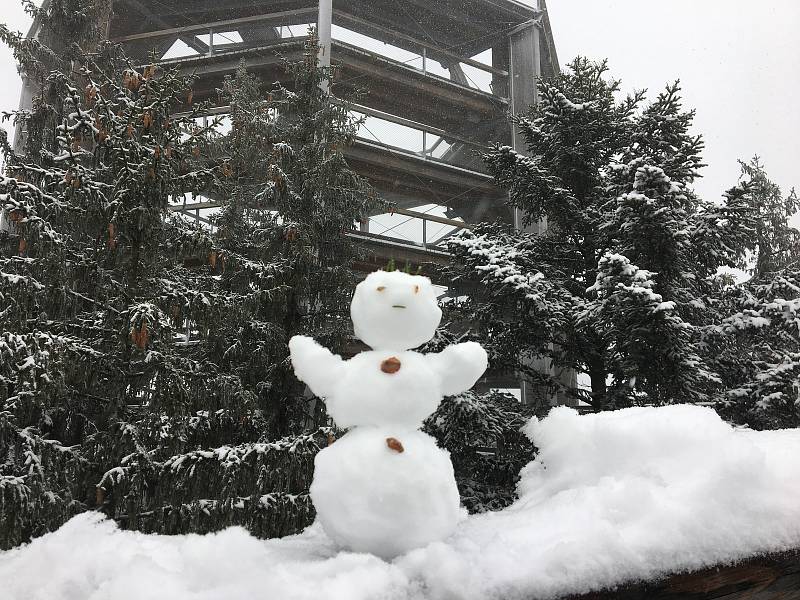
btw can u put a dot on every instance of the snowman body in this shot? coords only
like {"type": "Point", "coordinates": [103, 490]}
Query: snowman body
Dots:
{"type": "Point", "coordinates": [366, 395]}
{"type": "Point", "coordinates": [370, 498]}
{"type": "Point", "coordinates": [385, 487]}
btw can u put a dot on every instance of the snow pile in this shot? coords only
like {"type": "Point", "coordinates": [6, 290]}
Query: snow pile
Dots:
{"type": "Point", "coordinates": [611, 498]}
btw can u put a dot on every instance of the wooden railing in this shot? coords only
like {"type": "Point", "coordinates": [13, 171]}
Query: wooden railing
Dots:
{"type": "Point", "coordinates": [192, 210]}
{"type": "Point", "coordinates": [424, 50]}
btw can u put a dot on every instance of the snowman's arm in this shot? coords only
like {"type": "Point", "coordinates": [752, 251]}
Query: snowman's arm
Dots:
{"type": "Point", "coordinates": [459, 366]}
{"type": "Point", "coordinates": [315, 365]}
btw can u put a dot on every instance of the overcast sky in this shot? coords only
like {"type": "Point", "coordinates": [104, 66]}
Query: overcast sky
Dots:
{"type": "Point", "coordinates": [738, 62]}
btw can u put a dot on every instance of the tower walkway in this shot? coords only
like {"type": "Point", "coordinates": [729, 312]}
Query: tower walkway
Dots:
{"type": "Point", "coordinates": [435, 81]}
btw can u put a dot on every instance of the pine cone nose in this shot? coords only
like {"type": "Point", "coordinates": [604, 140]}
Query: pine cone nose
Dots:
{"type": "Point", "coordinates": [390, 365]}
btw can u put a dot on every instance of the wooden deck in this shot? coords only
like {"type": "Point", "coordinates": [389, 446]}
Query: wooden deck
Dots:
{"type": "Point", "coordinates": [772, 577]}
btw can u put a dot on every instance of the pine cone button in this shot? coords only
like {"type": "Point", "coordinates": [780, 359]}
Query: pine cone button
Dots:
{"type": "Point", "coordinates": [390, 365]}
{"type": "Point", "coordinates": [395, 445]}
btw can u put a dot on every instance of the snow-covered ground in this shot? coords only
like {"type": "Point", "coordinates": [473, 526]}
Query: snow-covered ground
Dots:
{"type": "Point", "coordinates": [611, 498]}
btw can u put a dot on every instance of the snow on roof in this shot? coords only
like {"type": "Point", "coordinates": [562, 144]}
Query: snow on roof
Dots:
{"type": "Point", "coordinates": [611, 498]}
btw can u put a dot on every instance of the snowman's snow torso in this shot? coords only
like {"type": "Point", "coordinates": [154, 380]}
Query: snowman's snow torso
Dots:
{"type": "Point", "coordinates": [371, 498]}
{"type": "Point", "coordinates": [367, 395]}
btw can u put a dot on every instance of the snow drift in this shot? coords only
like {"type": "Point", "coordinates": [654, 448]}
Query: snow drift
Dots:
{"type": "Point", "coordinates": [611, 498]}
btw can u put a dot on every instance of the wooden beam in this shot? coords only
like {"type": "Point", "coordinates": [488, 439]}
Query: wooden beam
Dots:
{"type": "Point", "coordinates": [390, 86]}
{"type": "Point", "coordinates": [435, 50]}
{"type": "Point", "coordinates": [495, 17]}
{"type": "Point", "coordinates": [456, 29]}
{"type": "Point", "coordinates": [551, 45]}
{"type": "Point", "coordinates": [258, 33]}
{"type": "Point", "coordinates": [426, 11]}
{"type": "Point", "coordinates": [194, 217]}
{"type": "Point", "coordinates": [156, 20]}
{"type": "Point", "coordinates": [195, 206]}
{"type": "Point", "coordinates": [185, 208]}
{"type": "Point", "coordinates": [433, 218]}
{"type": "Point", "coordinates": [274, 18]}
{"type": "Point", "coordinates": [148, 15]}
{"type": "Point", "coordinates": [193, 43]}
{"type": "Point", "coordinates": [228, 62]}
{"type": "Point", "coordinates": [374, 64]}
{"type": "Point", "coordinates": [775, 576]}
{"type": "Point", "coordinates": [379, 114]}
{"type": "Point", "coordinates": [512, 7]}
{"type": "Point", "coordinates": [279, 17]}
{"type": "Point", "coordinates": [430, 165]}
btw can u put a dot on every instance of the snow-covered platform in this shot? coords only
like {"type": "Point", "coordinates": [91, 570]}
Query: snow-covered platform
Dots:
{"type": "Point", "coordinates": [624, 501]}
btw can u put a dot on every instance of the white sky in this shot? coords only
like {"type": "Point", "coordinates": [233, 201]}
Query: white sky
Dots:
{"type": "Point", "coordinates": [738, 62]}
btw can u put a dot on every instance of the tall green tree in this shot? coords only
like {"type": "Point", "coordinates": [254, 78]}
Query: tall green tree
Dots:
{"type": "Point", "coordinates": [775, 243]}
{"type": "Point", "coordinates": [289, 198]}
{"type": "Point", "coordinates": [754, 343]}
{"type": "Point", "coordinates": [143, 360]}
{"type": "Point", "coordinates": [614, 287]}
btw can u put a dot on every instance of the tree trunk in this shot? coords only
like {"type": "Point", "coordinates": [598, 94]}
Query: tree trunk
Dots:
{"type": "Point", "coordinates": [597, 374]}
{"type": "Point", "coordinates": [598, 390]}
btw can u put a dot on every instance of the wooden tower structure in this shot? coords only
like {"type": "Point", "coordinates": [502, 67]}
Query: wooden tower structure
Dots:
{"type": "Point", "coordinates": [444, 72]}
{"type": "Point", "coordinates": [430, 91]}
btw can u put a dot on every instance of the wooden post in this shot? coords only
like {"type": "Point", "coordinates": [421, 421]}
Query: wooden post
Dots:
{"type": "Point", "coordinates": [324, 23]}
{"type": "Point", "coordinates": [525, 68]}
{"type": "Point", "coordinates": [500, 61]}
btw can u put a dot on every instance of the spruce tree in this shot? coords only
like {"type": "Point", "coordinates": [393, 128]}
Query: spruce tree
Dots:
{"type": "Point", "coordinates": [754, 343]}
{"type": "Point", "coordinates": [775, 243]}
{"type": "Point", "coordinates": [87, 338]}
{"type": "Point", "coordinates": [143, 360]}
{"type": "Point", "coordinates": [289, 198]}
{"type": "Point", "coordinates": [481, 431]}
{"type": "Point", "coordinates": [613, 288]}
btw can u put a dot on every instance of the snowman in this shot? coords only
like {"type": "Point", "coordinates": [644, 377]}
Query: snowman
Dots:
{"type": "Point", "coordinates": [385, 487]}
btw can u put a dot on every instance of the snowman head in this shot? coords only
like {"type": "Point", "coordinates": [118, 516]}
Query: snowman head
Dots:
{"type": "Point", "coordinates": [395, 310]}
